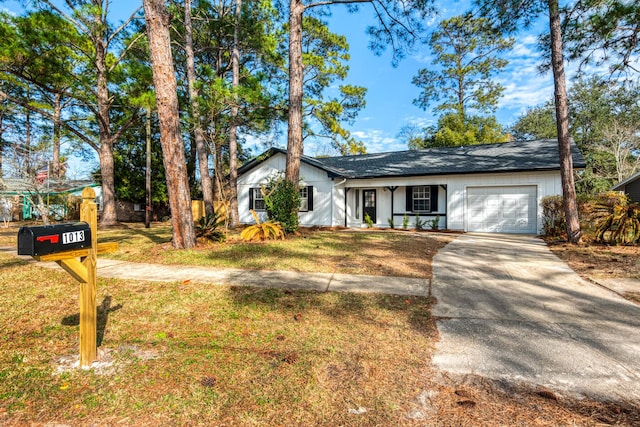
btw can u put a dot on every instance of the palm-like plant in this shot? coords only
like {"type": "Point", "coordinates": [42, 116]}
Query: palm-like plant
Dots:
{"type": "Point", "coordinates": [620, 225]}
{"type": "Point", "coordinates": [261, 231]}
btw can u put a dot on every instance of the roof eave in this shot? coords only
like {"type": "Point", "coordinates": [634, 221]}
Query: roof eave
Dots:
{"type": "Point", "coordinates": [331, 172]}
{"type": "Point", "coordinates": [411, 175]}
{"type": "Point", "coordinates": [620, 186]}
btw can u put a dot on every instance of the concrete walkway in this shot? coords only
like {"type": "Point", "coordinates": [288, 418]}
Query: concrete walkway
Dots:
{"type": "Point", "coordinates": [511, 310]}
{"type": "Point", "coordinates": [321, 282]}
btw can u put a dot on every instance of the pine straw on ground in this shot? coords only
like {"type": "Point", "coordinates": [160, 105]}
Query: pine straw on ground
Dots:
{"type": "Point", "coordinates": [599, 260]}
{"type": "Point", "coordinates": [183, 354]}
{"type": "Point", "coordinates": [187, 354]}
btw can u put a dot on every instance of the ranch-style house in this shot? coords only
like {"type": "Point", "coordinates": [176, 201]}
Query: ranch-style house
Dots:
{"type": "Point", "coordinates": [482, 188]}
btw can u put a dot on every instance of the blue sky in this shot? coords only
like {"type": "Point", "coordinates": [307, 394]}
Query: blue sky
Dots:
{"type": "Point", "coordinates": [390, 91]}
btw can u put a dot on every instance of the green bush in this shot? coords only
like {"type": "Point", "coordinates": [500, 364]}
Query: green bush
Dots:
{"type": "Point", "coordinates": [435, 223]}
{"type": "Point", "coordinates": [368, 221]}
{"type": "Point", "coordinates": [405, 221]}
{"type": "Point", "coordinates": [391, 223]}
{"type": "Point", "coordinates": [207, 227]}
{"type": "Point", "coordinates": [419, 223]}
{"type": "Point", "coordinates": [282, 202]}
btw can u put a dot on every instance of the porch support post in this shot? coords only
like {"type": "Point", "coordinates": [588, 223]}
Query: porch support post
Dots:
{"type": "Point", "coordinates": [346, 190]}
{"type": "Point", "coordinates": [446, 205]}
{"type": "Point", "coordinates": [392, 189]}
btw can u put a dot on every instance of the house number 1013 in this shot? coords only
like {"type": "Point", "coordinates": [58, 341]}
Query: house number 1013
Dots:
{"type": "Point", "coordinates": [72, 237]}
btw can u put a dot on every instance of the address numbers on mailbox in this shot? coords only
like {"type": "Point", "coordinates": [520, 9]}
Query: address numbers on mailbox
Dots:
{"type": "Point", "coordinates": [49, 239]}
{"type": "Point", "coordinates": [72, 237]}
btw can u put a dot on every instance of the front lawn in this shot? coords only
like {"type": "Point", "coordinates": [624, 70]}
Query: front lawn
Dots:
{"type": "Point", "coordinates": [381, 253]}
{"type": "Point", "coordinates": [189, 354]}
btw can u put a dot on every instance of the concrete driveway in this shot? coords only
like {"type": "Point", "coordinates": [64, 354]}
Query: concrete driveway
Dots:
{"type": "Point", "coordinates": [511, 310]}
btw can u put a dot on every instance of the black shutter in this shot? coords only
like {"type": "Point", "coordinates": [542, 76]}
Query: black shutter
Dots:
{"type": "Point", "coordinates": [409, 205]}
{"type": "Point", "coordinates": [251, 198]}
{"type": "Point", "coordinates": [434, 198]}
{"type": "Point", "coordinates": [310, 197]}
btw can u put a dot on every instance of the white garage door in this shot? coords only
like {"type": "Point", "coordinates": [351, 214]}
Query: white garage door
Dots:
{"type": "Point", "coordinates": [502, 209]}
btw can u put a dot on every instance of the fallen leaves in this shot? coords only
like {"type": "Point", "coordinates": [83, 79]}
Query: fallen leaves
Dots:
{"type": "Point", "coordinates": [208, 381]}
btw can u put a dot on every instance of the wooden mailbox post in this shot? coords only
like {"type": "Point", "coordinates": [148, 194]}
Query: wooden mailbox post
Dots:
{"type": "Point", "coordinates": [82, 265]}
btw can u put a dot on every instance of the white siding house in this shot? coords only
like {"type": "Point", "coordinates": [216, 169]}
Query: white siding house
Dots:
{"type": "Point", "coordinates": [487, 188]}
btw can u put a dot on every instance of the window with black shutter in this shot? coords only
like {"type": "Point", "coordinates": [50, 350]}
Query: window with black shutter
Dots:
{"type": "Point", "coordinates": [422, 198]}
{"type": "Point", "coordinates": [306, 198]}
{"type": "Point", "coordinates": [256, 199]}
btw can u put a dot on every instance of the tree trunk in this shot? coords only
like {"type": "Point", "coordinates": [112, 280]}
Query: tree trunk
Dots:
{"type": "Point", "coordinates": [109, 216]}
{"type": "Point", "coordinates": [562, 121]}
{"type": "Point", "coordinates": [234, 218]}
{"type": "Point", "coordinates": [198, 133]}
{"type": "Point", "coordinates": [294, 137]}
{"type": "Point", "coordinates": [57, 118]}
{"type": "Point", "coordinates": [217, 170]}
{"type": "Point", "coordinates": [164, 80]}
{"type": "Point", "coordinates": [27, 143]}
{"type": "Point", "coordinates": [147, 170]}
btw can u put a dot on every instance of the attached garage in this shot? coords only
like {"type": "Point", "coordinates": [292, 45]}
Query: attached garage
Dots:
{"type": "Point", "coordinates": [505, 209]}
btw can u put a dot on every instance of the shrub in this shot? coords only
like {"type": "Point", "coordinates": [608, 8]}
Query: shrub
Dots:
{"type": "Point", "coordinates": [391, 223]}
{"type": "Point", "coordinates": [405, 221]}
{"type": "Point", "coordinates": [207, 227]}
{"type": "Point", "coordinates": [553, 222]}
{"type": "Point", "coordinates": [261, 231]}
{"type": "Point", "coordinates": [282, 202]}
{"type": "Point", "coordinates": [435, 223]}
{"type": "Point", "coordinates": [419, 223]}
{"type": "Point", "coordinates": [368, 221]}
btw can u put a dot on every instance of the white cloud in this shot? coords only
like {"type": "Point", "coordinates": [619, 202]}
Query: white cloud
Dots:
{"type": "Point", "coordinates": [421, 121]}
{"type": "Point", "coordinates": [8, 12]}
{"type": "Point", "coordinates": [525, 47]}
{"type": "Point", "coordinates": [378, 141]}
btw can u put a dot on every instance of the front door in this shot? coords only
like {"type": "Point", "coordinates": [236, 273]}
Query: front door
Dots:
{"type": "Point", "coordinates": [369, 204]}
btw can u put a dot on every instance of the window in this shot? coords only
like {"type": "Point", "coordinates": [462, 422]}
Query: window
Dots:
{"type": "Point", "coordinates": [256, 200]}
{"type": "Point", "coordinates": [306, 198]}
{"type": "Point", "coordinates": [422, 198]}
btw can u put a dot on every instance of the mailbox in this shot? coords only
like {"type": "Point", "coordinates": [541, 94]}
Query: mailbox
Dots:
{"type": "Point", "coordinates": [50, 239]}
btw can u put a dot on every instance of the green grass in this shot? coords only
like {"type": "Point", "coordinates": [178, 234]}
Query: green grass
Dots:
{"type": "Point", "coordinates": [271, 356]}
{"type": "Point", "coordinates": [191, 354]}
{"type": "Point", "coordinates": [377, 253]}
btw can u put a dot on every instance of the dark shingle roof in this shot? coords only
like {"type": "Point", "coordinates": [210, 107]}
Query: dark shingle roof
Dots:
{"type": "Point", "coordinates": [316, 162]}
{"type": "Point", "coordinates": [517, 156]}
{"type": "Point", "coordinates": [622, 184]}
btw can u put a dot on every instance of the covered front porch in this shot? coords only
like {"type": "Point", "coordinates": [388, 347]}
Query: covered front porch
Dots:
{"type": "Point", "coordinates": [421, 206]}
